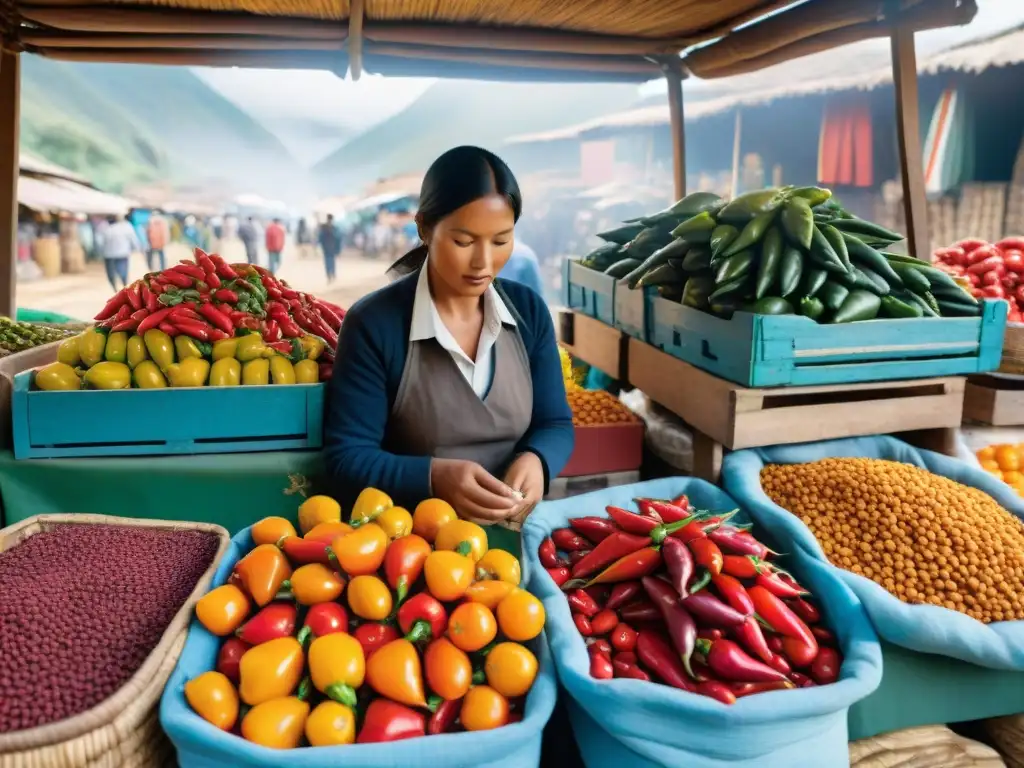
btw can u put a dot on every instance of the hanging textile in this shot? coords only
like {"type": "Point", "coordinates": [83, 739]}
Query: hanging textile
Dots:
{"type": "Point", "coordinates": [949, 146]}
{"type": "Point", "coordinates": [845, 146]}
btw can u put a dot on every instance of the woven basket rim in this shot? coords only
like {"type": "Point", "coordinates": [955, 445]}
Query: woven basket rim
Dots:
{"type": "Point", "coordinates": [128, 694]}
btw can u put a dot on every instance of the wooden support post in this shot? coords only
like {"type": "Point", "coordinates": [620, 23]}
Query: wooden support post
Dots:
{"type": "Point", "coordinates": [908, 133]}
{"type": "Point", "coordinates": [674, 76]}
{"type": "Point", "coordinates": [355, 39]}
{"type": "Point", "coordinates": [737, 138]}
{"type": "Point", "coordinates": [10, 98]}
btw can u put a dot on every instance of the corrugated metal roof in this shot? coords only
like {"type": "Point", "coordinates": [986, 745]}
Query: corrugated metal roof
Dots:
{"type": "Point", "coordinates": [29, 163]}
{"type": "Point", "coordinates": [57, 195]}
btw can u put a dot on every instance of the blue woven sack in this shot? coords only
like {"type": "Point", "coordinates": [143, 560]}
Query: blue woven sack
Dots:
{"type": "Point", "coordinates": [201, 745]}
{"type": "Point", "coordinates": [923, 628]}
{"type": "Point", "coordinates": [642, 725]}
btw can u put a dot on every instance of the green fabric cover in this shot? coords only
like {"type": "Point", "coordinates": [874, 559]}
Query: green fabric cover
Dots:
{"type": "Point", "coordinates": [923, 689]}
{"type": "Point", "coordinates": [25, 315]}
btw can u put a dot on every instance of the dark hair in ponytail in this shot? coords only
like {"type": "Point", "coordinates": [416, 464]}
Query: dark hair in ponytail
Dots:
{"type": "Point", "coordinates": [457, 178]}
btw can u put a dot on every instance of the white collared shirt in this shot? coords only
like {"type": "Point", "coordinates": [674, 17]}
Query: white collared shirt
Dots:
{"type": "Point", "coordinates": [427, 324]}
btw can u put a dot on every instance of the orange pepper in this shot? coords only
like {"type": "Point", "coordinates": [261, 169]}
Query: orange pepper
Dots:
{"type": "Point", "coordinates": [214, 699]}
{"type": "Point", "coordinates": [430, 516]}
{"type": "Point", "coordinates": [369, 598]}
{"type": "Point", "coordinates": [501, 565]}
{"type": "Point", "coordinates": [1007, 457]}
{"type": "Point", "coordinates": [337, 666]}
{"type": "Point", "coordinates": [454, 533]}
{"type": "Point", "coordinates": [483, 708]}
{"type": "Point", "coordinates": [262, 572]}
{"type": "Point", "coordinates": [403, 563]}
{"type": "Point", "coordinates": [328, 532]}
{"type": "Point", "coordinates": [511, 669]}
{"type": "Point", "coordinates": [521, 616]}
{"type": "Point", "coordinates": [362, 551]}
{"type": "Point", "coordinates": [315, 583]}
{"type": "Point", "coordinates": [489, 592]}
{"type": "Point", "coordinates": [276, 723]}
{"type": "Point", "coordinates": [223, 610]}
{"type": "Point", "coordinates": [369, 504]}
{"type": "Point", "coordinates": [396, 522]}
{"type": "Point", "coordinates": [331, 724]}
{"type": "Point", "coordinates": [394, 671]}
{"type": "Point", "coordinates": [472, 626]}
{"type": "Point", "coordinates": [448, 574]}
{"type": "Point", "coordinates": [271, 530]}
{"type": "Point", "coordinates": [270, 670]}
{"type": "Point", "coordinates": [448, 669]}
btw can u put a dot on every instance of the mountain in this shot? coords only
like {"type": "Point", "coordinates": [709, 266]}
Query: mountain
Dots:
{"type": "Point", "coordinates": [118, 123]}
{"type": "Point", "coordinates": [453, 112]}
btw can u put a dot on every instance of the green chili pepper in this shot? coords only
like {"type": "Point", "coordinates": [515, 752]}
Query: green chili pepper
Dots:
{"type": "Point", "coordinates": [832, 295]}
{"type": "Point", "coordinates": [790, 270]}
{"type": "Point", "coordinates": [696, 259]}
{"type": "Point", "coordinates": [811, 307]}
{"type": "Point", "coordinates": [622, 268]}
{"type": "Point", "coordinates": [772, 305]}
{"type": "Point", "coordinates": [860, 227]}
{"type": "Point", "coordinates": [869, 257]}
{"type": "Point", "coordinates": [813, 280]}
{"type": "Point", "coordinates": [737, 265]}
{"type": "Point", "coordinates": [771, 258]}
{"type": "Point", "coordinates": [658, 257]}
{"type": "Point", "coordinates": [722, 237]}
{"type": "Point", "coordinates": [835, 239]}
{"type": "Point", "coordinates": [798, 221]}
{"type": "Point", "coordinates": [813, 195]}
{"type": "Point", "coordinates": [893, 307]}
{"type": "Point", "coordinates": [859, 305]}
{"type": "Point", "coordinates": [663, 274]}
{"type": "Point", "coordinates": [728, 289]}
{"type": "Point", "coordinates": [929, 299]}
{"type": "Point", "coordinates": [618, 236]}
{"type": "Point", "coordinates": [691, 205]}
{"type": "Point", "coordinates": [823, 254]}
{"type": "Point", "coordinates": [696, 229]}
{"type": "Point", "coordinates": [697, 290]}
{"type": "Point", "coordinates": [751, 233]}
{"type": "Point", "coordinates": [745, 207]}
{"type": "Point", "coordinates": [958, 309]}
{"type": "Point", "coordinates": [911, 278]}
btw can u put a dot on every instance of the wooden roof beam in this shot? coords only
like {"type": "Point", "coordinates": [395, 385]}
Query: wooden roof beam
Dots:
{"type": "Point", "coordinates": [63, 40]}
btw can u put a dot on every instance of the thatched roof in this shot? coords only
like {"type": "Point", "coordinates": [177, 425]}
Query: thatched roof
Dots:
{"type": "Point", "coordinates": [487, 39]}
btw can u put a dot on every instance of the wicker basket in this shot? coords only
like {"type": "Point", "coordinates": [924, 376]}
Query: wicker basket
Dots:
{"type": "Point", "coordinates": [924, 747]}
{"type": "Point", "coordinates": [1007, 734]}
{"type": "Point", "coordinates": [122, 731]}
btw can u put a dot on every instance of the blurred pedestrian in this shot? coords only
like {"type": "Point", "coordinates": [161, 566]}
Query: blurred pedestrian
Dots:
{"type": "Point", "coordinates": [120, 241]}
{"type": "Point", "coordinates": [158, 233]}
{"type": "Point", "coordinates": [248, 235]}
{"type": "Point", "coordinates": [275, 244]}
{"type": "Point", "coordinates": [330, 244]}
{"type": "Point", "coordinates": [523, 267]}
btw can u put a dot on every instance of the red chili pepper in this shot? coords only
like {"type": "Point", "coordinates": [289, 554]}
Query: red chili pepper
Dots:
{"type": "Point", "coordinates": [682, 630]}
{"type": "Point", "coordinates": [204, 261]}
{"type": "Point", "coordinates": [805, 610]}
{"type": "Point", "coordinates": [734, 593]}
{"type": "Point", "coordinates": [738, 542]}
{"type": "Point", "coordinates": [750, 635]}
{"type": "Point", "coordinates": [547, 553]}
{"type": "Point", "coordinates": [153, 320]}
{"type": "Point", "coordinates": [640, 610]}
{"type": "Point", "coordinates": [670, 512]}
{"type": "Point", "coordinates": [710, 633]}
{"type": "Point", "coordinates": [741, 566]}
{"type": "Point", "coordinates": [779, 663]}
{"type": "Point", "coordinates": [120, 316]}
{"type": "Point", "coordinates": [730, 662]}
{"type": "Point", "coordinates": [229, 656]}
{"type": "Point", "coordinates": [132, 322]}
{"type": "Point", "coordinates": [117, 301]}
{"type": "Point", "coordinates": [709, 610]}
{"type": "Point", "coordinates": [304, 551]}
{"type": "Point", "coordinates": [575, 557]}
{"type": "Point", "coordinates": [225, 295]}
{"type": "Point", "coordinates": [225, 271]}
{"type": "Point", "coordinates": [802, 681]}
{"type": "Point", "coordinates": [169, 329]}
{"type": "Point", "coordinates": [629, 522]}
{"type": "Point", "coordinates": [682, 501]}
{"type": "Point", "coordinates": [284, 347]}
{"type": "Point", "coordinates": [623, 638]}
{"type": "Point", "coordinates": [191, 270]}
{"type": "Point", "coordinates": [272, 331]}
{"type": "Point", "coordinates": [622, 593]}
{"type": "Point", "coordinates": [326, 371]}
{"type": "Point", "coordinates": [679, 563]}
{"type": "Point", "coordinates": [327, 314]}
{"type": "Point", "coordinates": [778, 615]}
{"type": "Point", "coordinates": [133, 296]}
{"type": "Point", "coordinates": [633, 566]}
{"type": "Point", "coordinates": [216, 318]}
{"type": "Point", "coordinates": [822, 635]}
{"type": "Point", "coordinates": [324, 619]}
{"type": "Point", "coordinates": [800, 652]}
{"type": "Point", "coordinates": [825, 669]}
{"type": "Point", "coordinates": [715, 689]}
{"type": "Point", "coordinates": [614, 547]}
{"type": "Point", "coordinates": [661, 658]}
{"type": "Point", "coordinates": [775, 644]}
{"type": "Point", "coordinates": [372, 637]}
{"type": "Point", "coordinates": [568, 540]}
{"type": "Point", "coordinates": [599, 645]}
{"type": "Point", "coordinates": [629, 671]}
{"type": "Point", "coordinates": [604, 622]}
{"type": "Point", "coordinates": [747, 689]}
{"type": "Point", "coordinates": [644, 509]}
{"type": "Point", "coordinates": [289, 329]}
{"type": "Point", "coordinates": [177, 279]}
{"type": "Point", "coordinates": [445, 713]}
{"type": "Point", "coordinates": [582, 624]}
{"type": "Point", "coordinates": [156, 286]}
{"type": "Point", "coordinates": [423, 607]}
{"type": "Point", "coordinates": [595, 529]}
{"type": "Point", "coordinates": [581, 602]}
{"type": "Point", "coordinates": [184, 312]}
{"type": "Point", "coordinates": [387, 721]}
{"type": "Point", "coordinates": [559, 575]}
{"type": "Point", "coordinates": [771, 582]}
{"type": "Point", "coordinates": [601, 667]}
{"type": "Point", "coordinates": [192, 328]}
{"type": "Point", "coordinates": [272, 622]}
{"type": "Point", "coordinates": [146, 296]}
{"type": "Point", "coordinates": [218, 335]}
{"type": "Point", "coordinates": [707, 555]}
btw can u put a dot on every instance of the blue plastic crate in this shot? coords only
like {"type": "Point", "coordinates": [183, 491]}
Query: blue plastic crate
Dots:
{"type": "Point", "coordinates": [634, 312]}
{"type": "Point", "coordinates": [136, 422]}
{"type": "Point", "coordinates": [789, 350]}
{"type": "Point", "coordinates": [588, 291]}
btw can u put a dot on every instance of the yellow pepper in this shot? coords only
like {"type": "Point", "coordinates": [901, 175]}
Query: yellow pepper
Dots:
{"type": "Point", "coordinates": [222, 610]}
{"type": "Point", "coordinates": [312, 346]}
{"type": "Point", "coordinates": [501, 565]}
{"type": "Point", "coordinates": [108, 375]}
{"type": "Point", "coordinates": [271, 670]}
{"type": "Point", "coordinates": [337, 666]}
{"type": "Point", "coordinates": [160, 347]}
{"type": "Point", "coordinates": [214, 699]}
{"type": "Point", "coordinates": [307, 372]}
{"type": "Point", "coordinates": [148, 376]}
{"type": "Point", "coordinates": [226, 372]}
{"type": "Point", "coordinates": [256, 372]}
{"type": "Point", "coordinates": [116, 350]}
{"type": "Point", "coordinates": [57, 377]}
{"type": "Point", "coordinates": [136, 352]}
{"type": "Point", "coordinates": [67, 352]}
{"type": "Point", "coordinates": [224, 348]}
{"type": "Point", "coordinates": [190, 372]}
{"type": "Point", "coordinates": [281, 370]}
{"type": "Point", "coordinates": [315, 583]}
{"type": "Point", "coordinates": [262, 572]}
{"type": "Point", "coordinates": [331, 724]}
{"type": "Point", "coordinates": [278, 723]}
{"type": "Point", "coordinates": [250, 347]}
{"type": "Point", "coordinates": [369, 504]}
{"type": "Point", "coordinates": [91, 345]}
{"type": "Point", "coordinates": [186, 348]}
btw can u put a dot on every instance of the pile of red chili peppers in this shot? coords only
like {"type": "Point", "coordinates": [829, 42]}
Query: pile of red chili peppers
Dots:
{"type": "Point", "coordinates": [209, 300]}
{"type": "Point", "coordinates": [689, 599]}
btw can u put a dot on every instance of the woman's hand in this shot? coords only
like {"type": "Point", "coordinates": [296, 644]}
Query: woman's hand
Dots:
{"type": "Point", "coordinates": [526, 475]}
{"type": "Point", "coordinates": [472, 490]}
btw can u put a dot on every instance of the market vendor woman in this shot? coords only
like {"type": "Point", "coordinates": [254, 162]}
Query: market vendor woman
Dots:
{"type": "Point", "coordinates": [447, 382]}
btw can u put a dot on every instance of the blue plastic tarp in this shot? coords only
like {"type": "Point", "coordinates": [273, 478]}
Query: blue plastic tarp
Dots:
{"type": "Point", "coordinates": [201, 745]}
{"type": "Point", "coordinates": [640, 724]}
{"type": "Point", "coordinates": [923, 628]}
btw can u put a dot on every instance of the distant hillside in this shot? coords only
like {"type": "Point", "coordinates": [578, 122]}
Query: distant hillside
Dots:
{"type": "Point", "coordinates": [122, 123]}
{"type": "Point", "coordinates": [453, 112]}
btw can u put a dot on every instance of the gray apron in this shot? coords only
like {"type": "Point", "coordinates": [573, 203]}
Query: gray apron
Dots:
{"type": "Point", "coordinates": [437, 413]}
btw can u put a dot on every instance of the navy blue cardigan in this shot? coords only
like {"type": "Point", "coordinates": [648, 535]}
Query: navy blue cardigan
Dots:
{"type": "Point", "coordinates": [372, 348]}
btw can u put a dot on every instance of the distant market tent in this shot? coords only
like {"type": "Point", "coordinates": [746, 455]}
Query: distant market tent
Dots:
{"type": "Point", "coordinates": [47, 187]}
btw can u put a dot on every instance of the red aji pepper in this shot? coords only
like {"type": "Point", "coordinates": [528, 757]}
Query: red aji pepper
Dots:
{"type": "Point", "coordinates": [750, 635]}
{"type": "Point", "coordinates": [304, 551]}
{"type": "Point", "coordinates": [623, 638]}
{"type": "Point", "coordinates": [616, 546]}
{"type": "Point", "coordinates": [805, 610]}
{"type": "Point", "coordinates": [594, 529]}
{"type": "Point", "coordinates": [640, 610]}
{"type": "Point", "coordinates": [117, 301]}
{"type": "Point", "coordinates": [225, 295]}
{"type": "Point", "coordinates": [734, 593]}
{"type": "Point", "coordinates": [559, 575]}
{"type": "Point", "coordinates": [825, 669]}
{"type": "Point", "coordinates": [423, 607]}
{"type": "Point", "coordinates": [568, 540]}
{"type": "Point", "coordinates": [324, 619]}
{"type": "Point", "coordinates": [628, 670]}
{"type": "Point", "coordinates": [601, 667]}
{"type": "Point", "coordinates": [216, 318]}
{"type": "Point", "coordinates": [661, 658]}
{"type": "Point", "coordinates": [802, 681]}
{"type": "Point", "coordinates": [632, 566]}
{"type": "Point", "coordinates": [184, 311]}
{"type": "Point", "coordinates": [229, 656]}
{"type": "Point", "coordinates": [177, 279]}
{"type": "Point", "coordinates": [132, 322]}
{"type": "Point", "coordinates": [272, 331]}
{"type": "Point", "coordinates": [149, 299]}
{"type": "Point", "coordinates": [711, 611]}
{"type": "Point", "coordinates": [644, 509]}
{"type": "Point", "coordinates": [801, 652]}
{"type": "Point", "coordinates": [444, 714]}
{"type": "Point", "coordinates": [747, 689]}
{"type": "Point", "coordinates": [604, 622]}
{"type": "Point", "coordinates": [224, 270]}
{"type": "Point", "coordinates": [575, 557]}
{"type": "Point", "coordinates": [192, 328]}
{"type": "Point", "coordinates": [730, 662]}
{"type": "Point", "coordinates": [170, 330]}
{"type": "Point", "coordinates": [682, 501]}
{"type": "Point", "coordinates": [120, 316]}
{"type": "Point", "coordinates": [778, 616]}
{"type": "Point", "coordinates": [670, 512]}
{"type": "Point", "coordinates": [134, 296]}
{"type": "Point", "coordinates": [630, 522]}
{"type": "Point", "coordinates": [622, 593]}
{"type": "Point", "coordinates": [822, 635]}
{"type": "Point", "coordinates": [679, 563]}
{"type": "Point", "coordinates": [771, 582]}
{"type": "Point", "coordinates": [581, 602]}
{"type": "Point", "coordinates": [742, 566]}
{"type": "Point", "coordinates": [707, 555]}
{"type": "Point", "coordinates": [284, 347]}
{"type": "Point", "coordinates": [191, 270]}
{"type": "Point", "coordinates": [289, 329]}
{"type": "Point", "coordinates": [272, 622]}
{"type": "Point", "coordinates": [328, 314]}
{"type": "Point", "coordinates": [710, 633]}
{"type": "Point", "coordinates": [326, 370]}
{"type": "Point", "coordinates": [682, 630]}
{"type": "Point", "coordinates": [775, 643]}
{"type": "Point", "coordinates": [738, 542]}
{"type": "Point", "coordinates": [547, 553]}
{"type": "Point", "coordinates": [204, 261]}
{"type": "Point", "coordinates": [372, 636]}
{"type": "Point", "coordinates": [387, 721]}
{"type": "Point", "coordinates": [582, 624]}
{"type": "Point", "coordinates": [715, 689]}
{"type": "Point", "coordinates": [153, 320]}
{"type": "Point", "coordinates": [599, 645]}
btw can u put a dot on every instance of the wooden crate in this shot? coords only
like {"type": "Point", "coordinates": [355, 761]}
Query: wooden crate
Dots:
{"type": "Point", "coordinates": [588, 291]}
{"type": "Point", "coordinates": [994, 401]}
{"type": "Point", "coordinates": [593, 342]}
{"type": "Point", "coordinates": [634, 313]}
{"type": "Point", "coordinates": [725, 415]}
